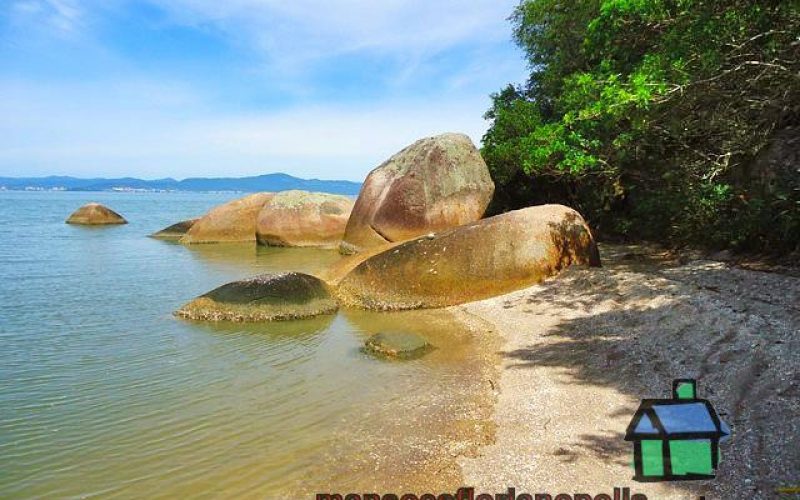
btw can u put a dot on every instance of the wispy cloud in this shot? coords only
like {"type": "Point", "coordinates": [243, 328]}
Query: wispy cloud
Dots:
{"type": "Point", "coordinates": [324, 28]}
{"type": "Point", "coordinates": [154, 130]}
{"type": "Point", "coordinates": [203, 87]}
{"type": "Point", "coordinates": [294, 36]}
{"type": "Point", "coordinates": [62, 17]}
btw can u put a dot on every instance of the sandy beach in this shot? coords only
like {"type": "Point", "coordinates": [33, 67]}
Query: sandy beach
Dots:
{"type": "Point", "coordinates": [582, 349]}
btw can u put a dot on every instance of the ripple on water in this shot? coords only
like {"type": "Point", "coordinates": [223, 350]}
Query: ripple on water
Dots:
{"type": "Point", "coordinates": [103, 392]}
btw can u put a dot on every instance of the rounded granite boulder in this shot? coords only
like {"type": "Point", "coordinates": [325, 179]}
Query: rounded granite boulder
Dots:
{"type": "Point", "coordinates": [432, 185]}
{"type": "Point", "coordinates": [473, 262]}
{"type": "Point", "coordinates": [267, 297]}
{"type": "Point", "coordinates": [303, 219]}
{"type": "Point", "coordinates": [175, 231]}
{"type": "Point", "coordinates": [401, 345]}
{"type": "Point", "coordinates": [232, 222]}
{"type": "Point", "coordinates": [95, 214]}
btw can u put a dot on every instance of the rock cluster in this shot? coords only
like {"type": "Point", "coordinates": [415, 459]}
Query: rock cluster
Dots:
{"type": "Point", "coordinates": [417, 235]}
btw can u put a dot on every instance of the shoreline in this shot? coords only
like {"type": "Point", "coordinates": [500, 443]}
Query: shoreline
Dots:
{"type": "Point", "coordinates": [580, 350]}
{"type": "Point", "coordinates": [412, 443]}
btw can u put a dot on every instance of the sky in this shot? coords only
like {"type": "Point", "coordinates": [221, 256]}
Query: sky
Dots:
{"type": "Point", "coordinates": [322, 89]}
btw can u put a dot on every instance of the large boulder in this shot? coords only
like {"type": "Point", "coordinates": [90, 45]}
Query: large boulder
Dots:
{"type": "Point", "coordinates": [268, 297]}
{"type": "Point", "coordinates": [175, 231]}
{"type": "Point", "coordinates": [95, 214]}
{"type": "Point", "coordinates": [333, 273]}
{"type": "Point", "coordinates": [483, 259]}
{"type": "Point", "coordinates": [234, 221]}
{"type": "Point", "coordinates": [303, 219]}
{"type": "Point", "coordinates": [434, 184]}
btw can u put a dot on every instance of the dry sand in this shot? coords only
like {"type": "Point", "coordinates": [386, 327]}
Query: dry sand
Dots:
{"type": "Point", "coordinates": [581, 350]}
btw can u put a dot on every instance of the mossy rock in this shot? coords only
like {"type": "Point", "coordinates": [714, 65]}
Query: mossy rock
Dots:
{"type": "Point", "coordinates": [175, 231]}
{"type": "Point", "coordinates": [399, 345]}
{"type": "Point", "coordinates": [267, 297]}
{"type": "Point", "coordinates": [303, 219]}
{"type": "Point", "coordinates": [95, 214]}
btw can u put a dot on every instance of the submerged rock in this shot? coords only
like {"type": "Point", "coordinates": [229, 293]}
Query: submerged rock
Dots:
{"type": "Point", "coordinates": [434, 184]}
{"type": "Point", "coordinates": [95, 214]}
{"type": "Point", "coordinates": [303, 219]}
{"type": "Point", "coordinates": [175, 231]}
{"type": "Point", "coordinates": [483, 259]}
{"type": "Point", "coordinates": [234, 221]}
{"type": "Point", "coordinates": [403, 345]}
{"type": "Point", "coordinates": [267, 297]}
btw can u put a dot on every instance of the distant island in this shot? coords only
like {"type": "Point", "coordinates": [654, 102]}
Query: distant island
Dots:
{"type": "Point", "coordinates": [268, 182]}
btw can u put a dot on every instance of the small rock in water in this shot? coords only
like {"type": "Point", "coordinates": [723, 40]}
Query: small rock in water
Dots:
{"type": "Point", "coordinates": [401, 345]}
{"type": "Point", "coordinates": [95, 214]}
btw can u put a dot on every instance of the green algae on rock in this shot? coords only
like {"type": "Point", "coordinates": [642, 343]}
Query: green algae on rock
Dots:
{"type": "Point", "coordinates": [473, 262]}
{"type": "Point", "coordinates": [402, 345]}
{"type": "Point", "coordinates": [303, 219]}
{"type": "Point", "coordinates": [432, 185]}
{"type": "Point", "coordinates": [175, 231]}
{"type": "Point", "coordinates": [95, 214]}
{"type": "Point", "coordinates": [267, 297]}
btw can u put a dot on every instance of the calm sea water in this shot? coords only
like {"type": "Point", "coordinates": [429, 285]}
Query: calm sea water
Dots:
{"type": "Point", "coordinates": [103, 393]}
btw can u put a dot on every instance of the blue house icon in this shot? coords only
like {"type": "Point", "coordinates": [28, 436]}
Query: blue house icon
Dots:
{"type": "Point", "coordinates": [676, 439]}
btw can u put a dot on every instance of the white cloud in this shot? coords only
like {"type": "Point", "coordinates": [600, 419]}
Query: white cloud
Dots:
{"type": "Point", "coordinates": [146, 129]}
{"type": "Point", "coordinates": [129, 122]}
{"type": "Point", "coordinates": [370, 134]}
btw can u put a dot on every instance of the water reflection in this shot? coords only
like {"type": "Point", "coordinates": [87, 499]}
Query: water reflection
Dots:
{"type": "Point", "coordinates": [263, 259]}
{"type": "Point", "coordinates": [302, 331]}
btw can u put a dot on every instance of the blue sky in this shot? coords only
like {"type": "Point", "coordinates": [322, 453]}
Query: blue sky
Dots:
{"type": "Point", "coordinates": [179, 88]}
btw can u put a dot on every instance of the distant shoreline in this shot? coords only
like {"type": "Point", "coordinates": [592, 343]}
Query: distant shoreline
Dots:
{"type": "Point", "coordinates": [121, 190]}
{"type": "Point", "coordinates": [267, 182]}
{"type": "Point", "coordinates": [30, 189]}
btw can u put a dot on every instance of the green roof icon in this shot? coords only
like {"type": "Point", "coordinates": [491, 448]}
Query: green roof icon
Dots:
{"type": "Point", "coordinates": [676, 439]}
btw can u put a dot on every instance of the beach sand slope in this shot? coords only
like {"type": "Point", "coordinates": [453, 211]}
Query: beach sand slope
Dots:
{"type": "Point", "coordinates": [582, 349]}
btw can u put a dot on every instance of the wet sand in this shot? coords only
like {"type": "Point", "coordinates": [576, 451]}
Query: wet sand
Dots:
{"type": "Point", "coordinates": [581, 350]}
{"type": "Point", "coordinates": [412, 441]}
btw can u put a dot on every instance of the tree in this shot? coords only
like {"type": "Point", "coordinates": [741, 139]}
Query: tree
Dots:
{"type": "Point", "coordinates": [643, 114]}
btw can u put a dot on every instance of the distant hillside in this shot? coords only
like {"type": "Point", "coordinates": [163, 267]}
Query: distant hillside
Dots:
{"type": "Point", "coordinates": [268, 182]}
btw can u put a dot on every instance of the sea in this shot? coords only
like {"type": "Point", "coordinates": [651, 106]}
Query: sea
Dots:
{"type": "Point", "coordinates": [105, 394]}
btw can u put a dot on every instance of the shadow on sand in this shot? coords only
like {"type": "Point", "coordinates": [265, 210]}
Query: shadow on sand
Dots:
{"type": "Point", "coordinates": [639, 323]}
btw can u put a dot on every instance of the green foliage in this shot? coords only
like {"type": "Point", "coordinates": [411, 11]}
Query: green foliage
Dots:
{"type": "Point", "coordinates": [647, 115]}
